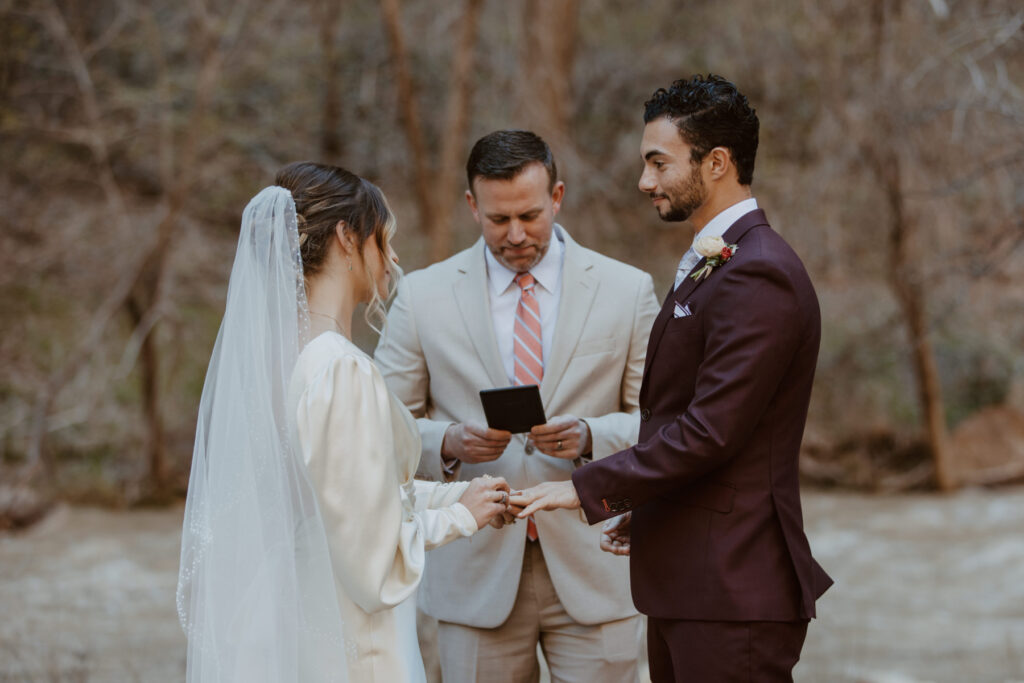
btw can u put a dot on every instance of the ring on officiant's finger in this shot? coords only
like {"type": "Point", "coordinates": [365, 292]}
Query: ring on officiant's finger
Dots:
{"type": "Point", "coordinates": [559, 445]}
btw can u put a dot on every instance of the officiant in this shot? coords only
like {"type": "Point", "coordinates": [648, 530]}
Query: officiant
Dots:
{"type": "Point", "coordinates": [525, 304]}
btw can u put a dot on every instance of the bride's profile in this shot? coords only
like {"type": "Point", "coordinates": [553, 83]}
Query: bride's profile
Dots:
{"type": "Point", "coordinates": [304, 533]}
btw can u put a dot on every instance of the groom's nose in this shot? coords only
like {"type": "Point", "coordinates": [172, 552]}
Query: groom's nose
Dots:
{"type": "Point", "coordinates": [646, 184]}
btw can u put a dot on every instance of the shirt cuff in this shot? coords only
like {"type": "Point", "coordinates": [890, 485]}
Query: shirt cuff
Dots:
{"type": "Point", "coordinates": [448, 466]}
{"type": "Point", "coordinates": [582, 460]}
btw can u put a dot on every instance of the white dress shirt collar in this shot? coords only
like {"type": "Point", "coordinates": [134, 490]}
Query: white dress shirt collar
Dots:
{"type": "Point", "coordinates": [717, 226]}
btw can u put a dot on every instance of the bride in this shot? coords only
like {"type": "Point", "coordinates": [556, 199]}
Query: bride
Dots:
{"type": "Point", "coordinates": [305, 532]}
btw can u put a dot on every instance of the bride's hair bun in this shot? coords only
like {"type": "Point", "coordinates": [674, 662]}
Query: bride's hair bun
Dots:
{"type": "Point", "coordinates": [326, 195]}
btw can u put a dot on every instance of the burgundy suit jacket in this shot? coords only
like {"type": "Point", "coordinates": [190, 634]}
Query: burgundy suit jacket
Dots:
{"type": "Point", "coordinates": [717, 531]}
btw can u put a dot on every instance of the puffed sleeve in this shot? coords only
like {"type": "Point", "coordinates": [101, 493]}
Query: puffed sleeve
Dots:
{"type": "Point", "coordinates": [377, 544]}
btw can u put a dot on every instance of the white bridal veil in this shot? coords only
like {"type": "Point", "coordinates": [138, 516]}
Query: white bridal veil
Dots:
{"type": "Point", "coordinates": [255, 592]}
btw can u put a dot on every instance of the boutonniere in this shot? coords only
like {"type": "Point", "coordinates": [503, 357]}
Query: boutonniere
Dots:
{"type": "Point", "coordinates": [716, 251]}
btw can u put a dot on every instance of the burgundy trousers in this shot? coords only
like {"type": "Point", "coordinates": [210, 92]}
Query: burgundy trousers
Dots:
{"type": "Point", "coordinates": [723, 651]}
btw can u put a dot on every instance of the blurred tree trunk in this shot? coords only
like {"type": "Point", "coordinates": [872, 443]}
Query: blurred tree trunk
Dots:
{"type": "Point", "coordinates": [150, 360]}
{"type": "Point", "coordinates": [408, 105]}
{"type": "Point", "coordinates": [906, 282]}
{"type": "Point", "coordinates": [436, 193]}
{"type": "Point", "coordinates": [456, 128]}
{"type": "Point", "coordinates": [904, 272]}
{"type": "Point", "coordinates": [546, 57]}
{"type": "Point", "coordinates": [327, 14]}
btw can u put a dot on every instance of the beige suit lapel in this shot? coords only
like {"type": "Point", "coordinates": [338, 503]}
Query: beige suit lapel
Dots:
{"type": "Point", "coordinates": [471, 296]}
{"type": "Point", "coordinates": [579, 287]}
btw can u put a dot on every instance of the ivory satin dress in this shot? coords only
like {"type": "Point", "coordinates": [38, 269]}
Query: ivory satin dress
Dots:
{"type": "Point", "coordinates": [362, 448]}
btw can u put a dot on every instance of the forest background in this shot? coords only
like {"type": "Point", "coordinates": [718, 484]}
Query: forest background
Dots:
{"type": "Point", "coordinates": [132, 134]}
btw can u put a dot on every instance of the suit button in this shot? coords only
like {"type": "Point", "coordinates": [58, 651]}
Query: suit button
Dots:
{"type": "Point", "coordinates": [645, 414]}
{"type": "Point", "coordinates": [529, 449]}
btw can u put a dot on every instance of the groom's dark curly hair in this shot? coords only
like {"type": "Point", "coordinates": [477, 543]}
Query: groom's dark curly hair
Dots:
{"type": "Point", "coordinates": [710, 112]}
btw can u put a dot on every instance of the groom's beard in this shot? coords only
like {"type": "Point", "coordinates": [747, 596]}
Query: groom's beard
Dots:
{"type": "Point", "coordinates": [684, 198]}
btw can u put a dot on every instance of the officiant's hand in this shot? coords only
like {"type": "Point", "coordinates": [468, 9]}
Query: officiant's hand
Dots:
{"type": "Point", "coordinates": [472, 442]}
{"type": "Point", "coordinates": [551, 495]}
{"type": "Point", "coordinates": [564, 436]}
{"type": "Point", "coordinates": [486, 498]}
{"type": "Point", "coordinates": [615, 534]}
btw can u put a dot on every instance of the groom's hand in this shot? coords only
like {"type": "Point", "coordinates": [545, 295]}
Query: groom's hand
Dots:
{"type": "Point", "coordinates": [564, 436]}
{"type": "Point", "coordinates": [472, 442]}
{"type": "Point", "coordinates": [551, 495]}
{"type": "Point", "coordinates": [615, 534]}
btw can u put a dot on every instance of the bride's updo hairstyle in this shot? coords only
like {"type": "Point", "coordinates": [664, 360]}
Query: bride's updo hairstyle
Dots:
{"type": "Point", "coordinates": [327, 194]}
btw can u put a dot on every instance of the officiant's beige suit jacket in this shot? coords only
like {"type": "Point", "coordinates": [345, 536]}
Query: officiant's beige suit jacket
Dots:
{"type": "Point", "coordinates": [439, 351]}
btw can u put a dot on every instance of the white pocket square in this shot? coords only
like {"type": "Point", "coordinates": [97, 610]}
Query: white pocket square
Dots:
{"type": "Point", "coordinates": [681, 311]}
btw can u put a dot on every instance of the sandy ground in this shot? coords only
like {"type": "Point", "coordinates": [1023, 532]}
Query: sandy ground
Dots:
{"type": "Point", "coordinates": [928, 588]}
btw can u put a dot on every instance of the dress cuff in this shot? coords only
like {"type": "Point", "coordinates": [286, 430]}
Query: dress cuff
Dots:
{"type": "Point", "coordinates": [464, 519]}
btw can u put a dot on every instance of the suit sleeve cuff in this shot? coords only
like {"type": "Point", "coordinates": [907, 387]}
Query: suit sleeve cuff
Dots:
{"type": "Point", "coordinates": [431, 438]}
{"type": "Point", "coordinates": [612, 433]}
{"type": "Point", "coordinates": [593, 509]}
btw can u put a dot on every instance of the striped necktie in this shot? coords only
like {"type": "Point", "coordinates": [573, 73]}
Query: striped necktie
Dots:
{"type": "Point", "coordinates": [686, 264]}
{"type": "Point", "coordinates": [527, 350]}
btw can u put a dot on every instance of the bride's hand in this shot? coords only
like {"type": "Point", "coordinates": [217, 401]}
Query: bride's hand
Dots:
{"type": "Point", "coordinates": [486, 498]}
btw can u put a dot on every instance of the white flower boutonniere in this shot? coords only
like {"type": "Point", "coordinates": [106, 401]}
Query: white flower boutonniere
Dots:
{"type": "Point", "coordinates": [716, 251]}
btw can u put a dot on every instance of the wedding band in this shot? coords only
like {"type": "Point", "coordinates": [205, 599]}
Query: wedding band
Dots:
{"type": "Point", "coordinates": [559, 445]}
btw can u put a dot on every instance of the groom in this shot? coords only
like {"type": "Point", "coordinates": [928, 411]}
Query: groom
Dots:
{"type": "Point", "coordinates": [707, 504]}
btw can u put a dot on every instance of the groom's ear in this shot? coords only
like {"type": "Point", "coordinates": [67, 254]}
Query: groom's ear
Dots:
{"type": "Point", "coordinates": [719, 162]}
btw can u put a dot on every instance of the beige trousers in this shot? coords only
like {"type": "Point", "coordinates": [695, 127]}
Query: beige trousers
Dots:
{"type": "Point", "coordinates": [575, 653]}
